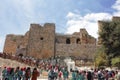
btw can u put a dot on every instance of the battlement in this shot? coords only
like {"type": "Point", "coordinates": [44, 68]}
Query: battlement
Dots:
{"type": "Point", "coordinates": [49, 25]}
{"type": "Point", "coordinates": [83, 31]}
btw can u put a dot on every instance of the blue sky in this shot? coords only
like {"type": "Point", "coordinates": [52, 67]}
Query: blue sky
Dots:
{"type": "Point", "coordinates": [68, 15]}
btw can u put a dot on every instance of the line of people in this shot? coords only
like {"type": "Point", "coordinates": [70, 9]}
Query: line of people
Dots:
{"type": "Point", "coordinates": [59, 73]}
{"type": "Point", "coordinates": [100, 74]}
{"type": "Point", "coordinates": [9, 73]}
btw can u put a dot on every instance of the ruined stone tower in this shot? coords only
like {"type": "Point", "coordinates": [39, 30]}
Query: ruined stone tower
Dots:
{"type": "Point", "coordinates": [41, 40]}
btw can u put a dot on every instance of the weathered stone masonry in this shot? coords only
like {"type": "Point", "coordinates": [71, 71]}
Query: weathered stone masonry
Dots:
{"type": "Point", "coordinates": [42, 41]}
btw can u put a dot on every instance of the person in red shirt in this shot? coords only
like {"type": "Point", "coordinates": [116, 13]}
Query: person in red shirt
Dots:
{"type": "Point", "coordinates": [35, 74]}
{"type": "Point", "coordinates": [60, 75]}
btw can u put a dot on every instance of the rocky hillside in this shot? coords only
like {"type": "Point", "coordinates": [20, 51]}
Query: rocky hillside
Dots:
{"type": "Point", "coordinates": [11, 63]}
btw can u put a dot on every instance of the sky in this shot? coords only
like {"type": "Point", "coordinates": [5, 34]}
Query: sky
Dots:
{"type": "Point", "coordinates": [68, 15]}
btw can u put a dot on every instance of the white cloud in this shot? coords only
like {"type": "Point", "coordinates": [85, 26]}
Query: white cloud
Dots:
{"type": "Point", "coordinates": [116, 6]}
{"type": "Point", "coordinates": [89, 21]}
{"type": "Point", "coordinates": [26, 6]}
{"type": "Point", "coordinates": [16, 13]}
{"type": "Point", "coordinates": [1, 43]}
{"type": "Point", "coordinates": [0, 40]}
{"type": "Point", "coordinates": [97, 16]}
{"type": "Point", "coordinates": [71, 15]}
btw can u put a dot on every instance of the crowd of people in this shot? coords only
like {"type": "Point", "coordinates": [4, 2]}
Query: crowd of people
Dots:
{"type": "Point", "coordinates": [55, 72]}
{"type": "Point", "coordinates": [58, 73]}
{"type": "Point", "coordinates": [10, 73]}
{"type": "Point", "coordinates": [92, 74]}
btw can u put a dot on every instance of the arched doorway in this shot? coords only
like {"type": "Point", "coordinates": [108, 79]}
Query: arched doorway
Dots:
{"type": "Point", "coordinates": [78, 41]}
{"type": "Point", "coordinates": [68, 41]}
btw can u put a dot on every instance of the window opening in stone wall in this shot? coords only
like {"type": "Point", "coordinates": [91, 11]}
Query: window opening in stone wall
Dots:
{"type": "Point", "coordinates": [41, 38]}
{"type": "Point", "coordinates": [68, 41]}
{"type": "Point", "coordinates": [78, 41]}
{"type": "Point", "coordinates": [56, 41]}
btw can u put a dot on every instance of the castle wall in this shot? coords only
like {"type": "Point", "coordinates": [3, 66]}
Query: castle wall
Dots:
{"type": "Point", "coordinates": [81, 37]}
{"type": "Point", "coordinates": [81, 45]}
{"type": "Point", "coordinates": [12, 43]}
{"type": "Point", "coordinates": [63, 39]}
{"type": "Point", "coordinates": [60, 39]}
{"type": "Point", "coordinates": [41, 40]}
{"type": "Point", "coordinates": [83, 50]}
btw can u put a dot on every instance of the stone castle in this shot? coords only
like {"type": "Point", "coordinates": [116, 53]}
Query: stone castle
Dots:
{"type": "Point", "coordinates": [42, 42]}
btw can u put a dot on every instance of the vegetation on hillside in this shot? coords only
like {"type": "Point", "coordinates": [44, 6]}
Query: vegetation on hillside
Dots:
{"type": "Point", "coordinates": [110, 41]}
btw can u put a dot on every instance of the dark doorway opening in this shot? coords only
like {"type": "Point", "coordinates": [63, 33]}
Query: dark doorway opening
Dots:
{"type": "Point", "coordinates": [68, 41]}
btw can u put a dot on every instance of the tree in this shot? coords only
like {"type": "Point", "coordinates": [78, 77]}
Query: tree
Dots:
{"type": "Point", "coordinates": [110, 38]}
{"type": "Point", "coordinates": [100, 57]}
{"type": "Point", "coordinates": [116, 61]}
